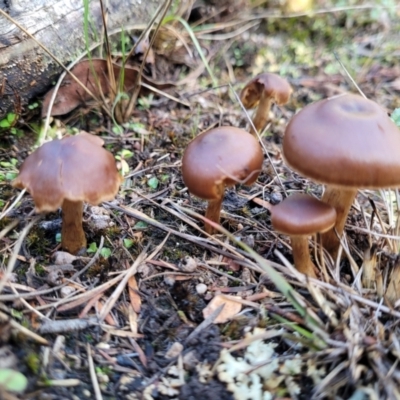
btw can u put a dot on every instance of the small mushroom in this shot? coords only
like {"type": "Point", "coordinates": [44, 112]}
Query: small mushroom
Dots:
{"type": "Point", "coordinates": [346, 142]}
{"type": "Point", "coordinates": [300, 216]}
{"type": "Point", "coordinates": [219, 158]}
{"type": "Point", "coordinates": [65, 173]}
{"type": "Point", "coordinates": [261, 91]}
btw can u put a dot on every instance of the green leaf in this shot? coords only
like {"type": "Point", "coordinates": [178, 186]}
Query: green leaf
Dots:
{"type": "Point", "coordinates": [105, 252]}
{"type": "Point", "coordinates": [92, 248]}
{"type": "Point", "coordinates": [33, 106]}
{"type": "Point", "coordinates": [164, 177]}
{"type": "Point", "coordinates": [11, 117]}
{"type": "Point", "coordinates": [128, 243]}
{"type": "Point", "coordinates": [11, 175]}
{"type": "Point", "coordinates": [16, 314]}
{"type": "Point", "coordinates": [12, 380]}
{"type": "Point", "coordinates": [58, 238]}
{"type": "Point", "coordinates": [140, 225]}
{"type": "Point", "coordinates": [124, 153]}
{"type": "Point", "coordinates": [153, 182]}
{"type": "Point", "coordinates": [396, 116]}
{"type": "Point", "coordinates": [4, 123]}
{"type": "Point", "coordinates": [118, 130]}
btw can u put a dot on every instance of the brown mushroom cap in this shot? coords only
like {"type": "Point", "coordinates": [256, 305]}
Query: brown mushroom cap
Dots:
{"type": "Point", "coordinates": [76, 168]}
{"type": "Point", "coordinates": [301, 214]}
{"type": "Point", "coordinates": [344, 141]}
{"type": "Point", "coordinates": [272, 85]}
{"type": "Point", "coordinates": [225, 155]}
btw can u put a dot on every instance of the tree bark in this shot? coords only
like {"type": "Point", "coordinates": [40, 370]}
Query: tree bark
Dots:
{"type": "Point", "coordinates": [26, 71]}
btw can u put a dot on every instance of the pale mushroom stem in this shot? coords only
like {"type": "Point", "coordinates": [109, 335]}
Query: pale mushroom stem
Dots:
{"type": "Point", "coordinates": [72, 235]}
{"type": "Point", "coordinates": [262, 114]}
{"type": "Point", "coordinates": [341, 200]}
{"type": "Point", "coordinates": [213, 213]}
{"type": "Point", "coordinates": [301, 255]}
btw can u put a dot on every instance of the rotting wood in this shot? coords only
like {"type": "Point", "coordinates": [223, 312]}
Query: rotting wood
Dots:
{"type": "Point", "coordinates": [26, 71]}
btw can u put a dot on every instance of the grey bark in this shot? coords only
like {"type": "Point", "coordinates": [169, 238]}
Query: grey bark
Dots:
{"type": "Point", "coordinates": [26, 71]}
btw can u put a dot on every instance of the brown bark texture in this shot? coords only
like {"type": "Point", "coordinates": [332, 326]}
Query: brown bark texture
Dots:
{"type": "Point", "coordinates": [26, 71]}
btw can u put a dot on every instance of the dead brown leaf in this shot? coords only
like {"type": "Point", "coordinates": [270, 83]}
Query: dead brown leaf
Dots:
{"type": "Point", "coordinates": [94, 76]}
{"type": "Point", "coordinates": [231, 308]}
{"type": "Point", "coordinates": [134, 294]}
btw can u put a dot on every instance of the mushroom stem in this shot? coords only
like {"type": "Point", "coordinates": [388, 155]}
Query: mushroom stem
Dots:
{"type": "Point", "coordinates": [72, 235]}
{"type": "Point", "coordinates": [341, 200]}
{"type": "Point", "coordinates": [301, 255]}
{"type": "Point", "coordinates": [262, 114]}
{"type": "Point", "coordinates": [213, 214]}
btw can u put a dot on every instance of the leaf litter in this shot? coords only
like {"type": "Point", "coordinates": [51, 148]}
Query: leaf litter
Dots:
{"type": "Point", "coordinates": [141, 320]}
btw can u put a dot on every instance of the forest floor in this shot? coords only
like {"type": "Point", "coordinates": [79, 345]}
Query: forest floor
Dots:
{"type": "Point", "coordinates": [136, 322]}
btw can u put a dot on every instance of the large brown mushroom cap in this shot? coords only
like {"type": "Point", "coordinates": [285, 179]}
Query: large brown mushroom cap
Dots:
{"type": "Point", "coordinates": [344, 141]}
{"type": "Point", "coordinates": [271, 85]}
{"type": "Point", "coordinates": [75, 168]}
{"type": "Point", "coordinates": [301, 214]}
{"type": "Point", "coordinates": [225, 155]}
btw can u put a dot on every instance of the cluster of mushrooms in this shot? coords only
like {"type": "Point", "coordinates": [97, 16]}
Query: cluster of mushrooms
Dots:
{"type": "Point", "coordinates": [346, 143]}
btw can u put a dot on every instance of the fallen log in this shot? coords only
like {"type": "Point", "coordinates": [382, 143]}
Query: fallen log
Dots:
{"type": "Point", "coordinates": [26, 71]}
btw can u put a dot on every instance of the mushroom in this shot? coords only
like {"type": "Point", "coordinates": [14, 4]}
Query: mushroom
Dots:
{"type": "Point", "coordinates": [346, 142]}
{"type": "Point", "coordinates": [300, 216]}
{"type": "Point", "coordinates": [219, 158]}
{"type": "Point", "coordinates": [261, 91]}
{"type": "Point", "coordinates": [65, 173]}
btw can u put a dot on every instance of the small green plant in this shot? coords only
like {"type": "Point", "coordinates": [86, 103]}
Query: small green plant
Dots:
{"type": "Point", "coordinates": [104, 370]}
{"type": "Point", "coordinates": [16, 314]}
{"type": "Point", "coordinates": [144, 103]}
{"type": "Point", "coordinates": [13, 381]}
{"type": "Point", "coordinates": [128, 243]}
{"type": "Point", "coordinates": [105, 251]}
{"type": "Point", "coordinates": [136, 127]}
{"type": "Point", "coordinates": [8, 170]}
{"type": "Point", "coordinates": [33, 106]}
{"type": "Point", "coordinates": [140, 225]}
{"type": "Point", "coordinates": [9, 121]}
{"type": "Point", "coordinates": [153, 182]}
{"type": "Point", "coordinates": [33, 362]}
{"type": "Point", "coordinates": [122, 156]}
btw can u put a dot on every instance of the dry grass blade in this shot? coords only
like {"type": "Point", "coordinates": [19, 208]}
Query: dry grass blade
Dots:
{"type": "Point", "coordinates": [14, 203]}
{"type": "Point", "coordinates": [8, 228]}
{"type": "Point", "coordinates": [70, 303]}
{"type": "Point", "coordinates": [392, 293]}
{"type": "Point", "coordinates": [133, 99]}
{"type": "Point", "coordinates": [369, 268]}
{"type": "Point", "coordinates": [24, 331]}
{"type": "Point", "coordinates": [130, 272]}
{"type": "Point", "coordinates": [17, 248]}
{"type": "Point", "coordinates": [95, 383]}
{"type": "Point", "coordinates": [133, 291]}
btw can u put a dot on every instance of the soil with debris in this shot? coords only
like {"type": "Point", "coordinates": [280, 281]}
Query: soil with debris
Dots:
{"type": "Point", "coordinates": [137, 315]}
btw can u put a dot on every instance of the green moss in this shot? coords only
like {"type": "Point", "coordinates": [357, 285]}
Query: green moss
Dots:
{"type": "Point", "coordinates": [37, 241]}
{"type": "Point", "coordinates": [40, 270]}
{"type": "Point", "coordinates": [32, 361]}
